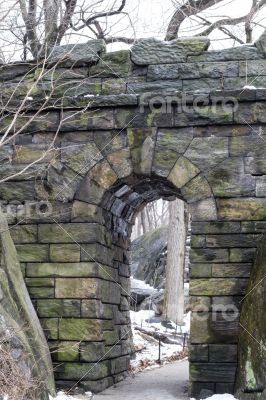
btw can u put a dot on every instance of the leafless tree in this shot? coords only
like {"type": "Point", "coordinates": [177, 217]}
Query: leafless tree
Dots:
{"type": "Point", "coordinates": [36, 26]}
{"type": "Point", "coordinates": [194, 9]}
{"type": "Point", "coordinates": [174, 285]}
{"type": "Point", "coordinates": [40, 25]}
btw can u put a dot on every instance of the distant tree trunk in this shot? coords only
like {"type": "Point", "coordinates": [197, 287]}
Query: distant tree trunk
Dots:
{"type": "Point", "coordinates": [139, 228]}
{"type": "Point", "coordinates": [143, 221]}
{"type": "Point", "coordinates": [174, 287]}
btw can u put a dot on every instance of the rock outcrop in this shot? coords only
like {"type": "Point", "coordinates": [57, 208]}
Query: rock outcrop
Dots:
{"type": "Point", "coordinates": [20, 329]}
{"type": "Point", "coordinates": [147, 257]}
{"type": "Point", "coordinates": [251, 379]}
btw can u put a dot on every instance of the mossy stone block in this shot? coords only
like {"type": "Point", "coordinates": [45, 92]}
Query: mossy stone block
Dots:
{"type": "Point", "coordinates": [41, 292]}
{"type": "Point", "coordinates": [182, 172]}
{"type": "Point", "coordinates": [68, 351]}
{"type": "Point", "coordinates": [218, 287]}
{"type": "Point", "coordinates": [77, 288]}
{"type": "Point", "coordinates": [242, 209]}
{"type": "Point", "coordinates": [80, 329]}
{"type": "Point", "coordinates": [92, 352]}
{"type": "Point", "coordinates": [52, 308]}
{"type": "Point", "coordinates": [50, 327]}
{"type": "Point", "coordinates": [65, 253]}
{"type": "Point", "coordinates": [33, 252]}
{"type": "Point", "coordinates": [67, 233]}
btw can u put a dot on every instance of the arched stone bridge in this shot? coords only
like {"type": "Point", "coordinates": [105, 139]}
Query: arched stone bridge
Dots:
{"type": "Point", "coordinates": [120, 130]}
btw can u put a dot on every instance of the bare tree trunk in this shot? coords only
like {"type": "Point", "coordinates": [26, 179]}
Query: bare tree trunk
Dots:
{"type": "Point", "coordinates": [139, 228]}
{"type": "Point", "coordinates": [174, 287]}
{"type": "Point", "coordinates": [143, 221]}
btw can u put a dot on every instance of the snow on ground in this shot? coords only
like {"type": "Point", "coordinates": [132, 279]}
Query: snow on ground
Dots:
{"type": "Point", "coordinates": [138, 284]}
{"type": "Point", "coordinates": [148, 346]}
{"type": "Point", "coordinates": [221, 397]}
{"type": "Point", "coordinates": [64, 396]}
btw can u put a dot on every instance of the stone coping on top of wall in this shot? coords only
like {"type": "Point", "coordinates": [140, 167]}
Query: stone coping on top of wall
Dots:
{"type": "Point", "coordinates": [81, 75]}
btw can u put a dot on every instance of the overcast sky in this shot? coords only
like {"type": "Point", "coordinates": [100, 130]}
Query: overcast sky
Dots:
{"type": "Point", "coordinates": [151, 17]}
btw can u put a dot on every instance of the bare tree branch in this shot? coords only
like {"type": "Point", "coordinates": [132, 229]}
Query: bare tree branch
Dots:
{"type": "Point", "coordinates": [191, 7]}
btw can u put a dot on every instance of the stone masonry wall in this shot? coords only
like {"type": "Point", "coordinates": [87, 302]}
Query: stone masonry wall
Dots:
{"type": "Point", "coordinates": [113, 134]}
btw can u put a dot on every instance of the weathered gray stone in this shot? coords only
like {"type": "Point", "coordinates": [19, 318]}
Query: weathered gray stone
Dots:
{"type": "Point", "coordinates": [14, 71]}
{"type": "Point", "coordinates": [76, 288]}
{"type": "Point", "coordinates": [113, 86]}
{"type": "Point", "coordinates": [84, 120]}
{"type": "Point", "coordinates": [258, 81]}
{"type": "Point", "coordinates": [141, 143]}
{"type": "Point", "coordinates": [196, 389]}
{"type": "Point", "coordinates": [203, 85]}
{"type": "Point", "coordinates": [217, 327]}
{"type": "Point", "coordinates": [236, 240]}
{"type": "Point", "coordinates": [261, 186]}
{"type": "Point", "coordinates": [252, 113]}
{"type": "Point", "coordinates": [199, 304]}
{"type": "Point", "coordinates": [215, 227]}
{"type": "Point", "coordinates": [251, 374]}
{"type": "Point", "coordinates": [241, 255]}
{"type": "Point", "coordinates": [67, 233]}
{"type": "Point", "coordinates": [77, 54]}
{"type": "Point", "coordinates": [222, 287]}
{"type": "Point", "coordinates": [200, 270]}
{"type": "Point", "coordinates": [246, 52]}
{"type": "Point", "coordinates": [17, 311]}
{"type": "Point", "coordinates": [62, 183]}
{"type": "Point", "coordinates": [255, 165]}
{"type": "Point", "coordinates": [74, 329]}
{"type": "Point", "coordinates": [170, 144]}
{"type": "Point", "coordinates": [19, 191]}
{"type": "Point", "coordinates": [197, 189]}
{"type": "Point", "coordinates": [58, 308]}
{"type": "Point", "coordinates": [153, 51]}
{"type": "Point", "coordinates": [252, 68]}
{"type": "Point", "coordinates": [80, 157]}
{"type": "Point", "coordinates": [198, 353]}
{"type": "Point", "coordinates": [228, 179]}
{"type": "Point", "coordinates": [261, 43]}
{"type": "Point", "coordinates": [233, 270]}
{"type": "Point", "coordinates": [113, 64]}
{"type": "Point", "coordinates": [92, 352]}
{"type": "Point", "coordinates": [242, 209]}
{"type": "Point", "coordinates": [205, 153]}
{"type": "Point", "coordinates": [113, 100]}
{"type": "Point", "coordinates": [209, 255]}
{"type": "Point", "coordinates": [203, 210]}
{"type": "Point", "coordinates": [159, 86]}
{"type": "Point", "coordinates": [182, 172]}
{"type": "Point", "coordinates": [193, 70]}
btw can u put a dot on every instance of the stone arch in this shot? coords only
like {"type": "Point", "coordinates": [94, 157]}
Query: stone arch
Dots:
{"type": "Point", "coordinates": [109, 196]}
{"type": "Point", "coordinates": [143, 165]}
{"type": "Point", "coordinates": [212, 157]}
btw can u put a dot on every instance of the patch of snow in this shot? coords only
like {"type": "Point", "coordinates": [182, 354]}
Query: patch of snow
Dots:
{"type": "Point", "coordinates": [138, 284]}
{"type": "Point", "coordinates": [89, 95]}
{"type": "Point", "coordinates": [29, 98]}
{"type": "Point", "coordinates": [64, 396]}
{"type": "Point", "coordinates": [221, 397]}
{"type": "Point", "coordinates": [249, 87]}
{"type": "Point", "coordinates": [148, 348]}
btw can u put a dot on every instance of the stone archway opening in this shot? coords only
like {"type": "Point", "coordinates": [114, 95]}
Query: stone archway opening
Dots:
{"type": "Point", "coordinates": [121, 204]}
{"type": "Point", "coordinates": [158, 337]}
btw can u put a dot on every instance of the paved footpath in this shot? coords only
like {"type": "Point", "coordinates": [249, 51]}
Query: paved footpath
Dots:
{"type": "Point", "coordinates": [166, 383]}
